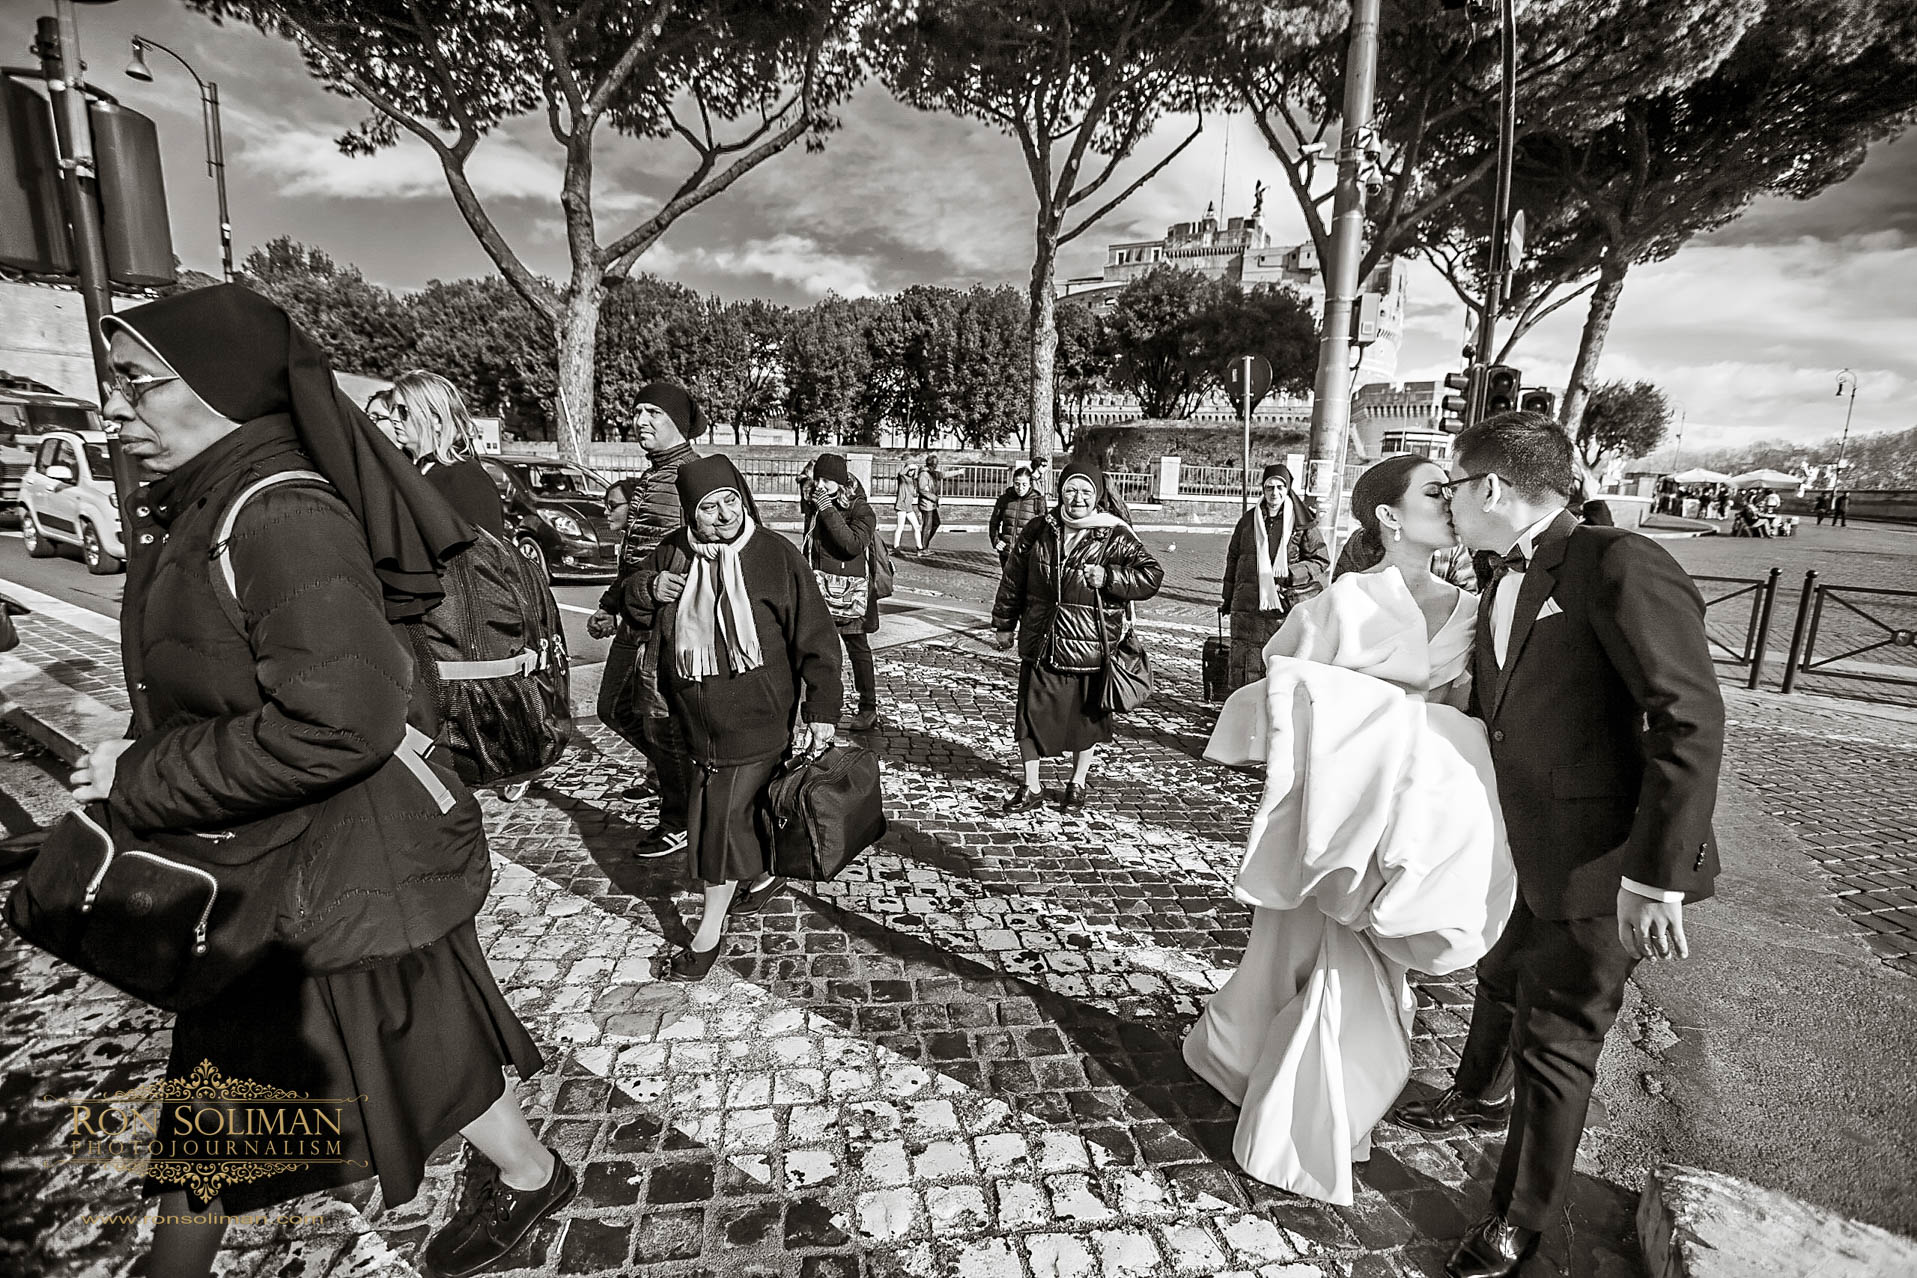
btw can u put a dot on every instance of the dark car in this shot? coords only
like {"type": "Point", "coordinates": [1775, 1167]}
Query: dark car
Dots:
{"type": "Point", "coordinates": [556, 515]}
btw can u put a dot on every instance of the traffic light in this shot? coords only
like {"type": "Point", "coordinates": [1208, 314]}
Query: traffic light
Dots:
{"type": "Point", "coordinates": [1539, 401]}
{"type": "Point", "coordinates": [1454, 411]}
{"type": "Point", "coordinates": [1500, 393]}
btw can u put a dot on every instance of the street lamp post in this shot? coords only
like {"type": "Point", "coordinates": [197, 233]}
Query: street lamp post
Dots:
{"type": "Point", "coordinates": [209, 126]}
{"type": "Point", "coordinates": [1843, 377]}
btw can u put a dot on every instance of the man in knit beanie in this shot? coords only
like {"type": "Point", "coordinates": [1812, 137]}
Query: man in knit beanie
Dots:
{"type": "Point", "coordinates": [668, 420]}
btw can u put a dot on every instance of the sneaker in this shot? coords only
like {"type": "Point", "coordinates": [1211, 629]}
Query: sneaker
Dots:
{"type": "Point", "coordinates": [637, 792]}
{"type": "Point", "coordinates": [495, 1218]}
{"type": "Point", "coordinates": [516, 791]}
{"type": "Point", "coordinates": [659, 842]}
{"type": "Point", "coordinates": [864, 721]}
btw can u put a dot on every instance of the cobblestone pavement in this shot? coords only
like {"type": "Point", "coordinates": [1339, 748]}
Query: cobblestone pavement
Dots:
{"type": "Point", "coordinates": [961, 1058]}
{"type": "Point", "coordinates": [1846, 783]}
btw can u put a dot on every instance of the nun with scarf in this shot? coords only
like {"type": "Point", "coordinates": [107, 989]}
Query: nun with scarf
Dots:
{"type": "Point", "coordinates": [1065, 597]}
{"type": "Point", "coordinates": [292, 717]}
{"type": "Point", "coordinates": [1277, 558]}
{"type": "Point", "coordinates": [748, 659]}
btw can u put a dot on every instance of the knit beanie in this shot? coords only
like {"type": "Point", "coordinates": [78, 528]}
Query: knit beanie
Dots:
{"type": "Point", "coordinates": [832, 466]}
{"type": "Point", "coordinates": [678, 405]}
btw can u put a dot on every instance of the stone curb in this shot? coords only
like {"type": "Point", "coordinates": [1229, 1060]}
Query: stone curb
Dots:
{"type": "Point", "coordinates": [1701, 1224]}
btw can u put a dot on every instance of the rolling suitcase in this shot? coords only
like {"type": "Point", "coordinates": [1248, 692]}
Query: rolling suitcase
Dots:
{"type": "Point", "coordinates": [1216, 664]}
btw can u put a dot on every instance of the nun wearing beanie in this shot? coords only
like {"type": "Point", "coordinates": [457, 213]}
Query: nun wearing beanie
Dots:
{"type": "Point", "coordinates": [1069, 577]}
{"type": "Point", "coordinates": [840, 528]}
{"type": "Point", "coordinates": [378, 988]}
{"type": "Point", "coordinates": [1276, 558]}
{"type": "Point", "coordinates": [745, 645]}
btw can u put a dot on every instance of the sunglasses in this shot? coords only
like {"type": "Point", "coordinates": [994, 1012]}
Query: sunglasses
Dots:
{"type": "Point", "coordinates": [134, 389]}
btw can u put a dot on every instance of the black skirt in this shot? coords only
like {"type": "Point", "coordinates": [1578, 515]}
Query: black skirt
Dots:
{"type": "Point", "coordinates": [729, 822]}
{"type": "Point", "coordinates": [421, 1041]}
{"type": "Point", "coordinates": [1054, 714]}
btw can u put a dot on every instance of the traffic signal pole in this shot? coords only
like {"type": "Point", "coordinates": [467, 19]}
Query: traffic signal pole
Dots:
{"type": "Point", "coordinates": [1498, 264]}
{"type": "Point", "coordinates": [57, 43]}
{"type": "Point", "coordinates": [1331, 401]}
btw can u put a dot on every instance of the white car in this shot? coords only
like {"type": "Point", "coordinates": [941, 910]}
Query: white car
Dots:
{"type": "Point", "coordinates": [69, 501]}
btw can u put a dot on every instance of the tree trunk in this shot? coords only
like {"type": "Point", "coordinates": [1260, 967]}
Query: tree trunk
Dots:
{"type": "Point", "coordinates": [1597, 325]}
{"type": "Point", "coordinates": [1042, 440]}
{"type": "Point", "coordinates": [578, 341]}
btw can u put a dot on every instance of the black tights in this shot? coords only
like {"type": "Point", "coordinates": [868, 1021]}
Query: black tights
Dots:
{"type": "Point", "coordinates": [858, 647]}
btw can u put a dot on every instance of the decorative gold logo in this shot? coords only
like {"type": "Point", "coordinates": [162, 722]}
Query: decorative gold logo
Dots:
{"type": "Point", "coordinates": [206, 1131]}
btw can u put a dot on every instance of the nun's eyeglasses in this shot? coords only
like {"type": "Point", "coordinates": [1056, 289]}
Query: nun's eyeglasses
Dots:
{"type": "Point", "coordinates": [134, 389]}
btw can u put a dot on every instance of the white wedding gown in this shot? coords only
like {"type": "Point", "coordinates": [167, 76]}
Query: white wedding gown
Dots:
{"type": "Point", "coordinates": [1378, 847]}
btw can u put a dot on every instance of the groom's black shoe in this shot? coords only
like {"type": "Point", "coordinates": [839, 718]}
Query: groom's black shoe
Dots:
{"type": "Point", "coordinates": [1494, 1248]}
{"type": "Point", "coordinates": [1451, 1108]}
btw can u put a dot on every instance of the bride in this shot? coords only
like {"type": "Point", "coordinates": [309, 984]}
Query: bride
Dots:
{"type": "Point", "coordinates": [1378, 846]}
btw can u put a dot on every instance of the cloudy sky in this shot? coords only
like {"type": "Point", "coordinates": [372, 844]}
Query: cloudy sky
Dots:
{"type": "Point", "coordinates": [1746, 329]}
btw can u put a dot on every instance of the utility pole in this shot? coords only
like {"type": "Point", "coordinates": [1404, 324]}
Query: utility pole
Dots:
{"type": "Point", "coordinates": [1498, 266]}
{"type": "Point", "coordinates": [57, 43]}
{"type": "Point", "coordinates": [1331, 406]}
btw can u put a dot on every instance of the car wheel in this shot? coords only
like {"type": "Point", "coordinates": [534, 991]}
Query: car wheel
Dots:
{"type": "Point", "coordinates": [38, 547]}
{"type": "Point", "coordinates": [99, 562]}
{"type": "Point", "coordinates": [536, 557]}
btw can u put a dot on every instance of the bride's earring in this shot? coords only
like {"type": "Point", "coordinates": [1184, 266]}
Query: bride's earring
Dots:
{"type": "Point", "coordinates": [1397, 534]}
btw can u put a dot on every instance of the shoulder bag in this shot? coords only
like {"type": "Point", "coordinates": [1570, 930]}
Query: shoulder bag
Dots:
{"type": "Point", "coordinates": [1125, 681]}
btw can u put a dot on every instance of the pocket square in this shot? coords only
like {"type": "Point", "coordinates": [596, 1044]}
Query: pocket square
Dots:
{"type": "Point", "coordinates": [1550, 609]}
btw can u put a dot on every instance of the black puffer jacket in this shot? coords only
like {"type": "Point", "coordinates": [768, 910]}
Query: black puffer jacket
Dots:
{"type": "Point", "coordinates": [838, 540]}
{"type": "Point", "coordinates": [288, 729]}
{"type": "Point", "coordinates": [1307, 559]}
{"type": "Point", "coordinates": [653, 516]}
{"type": "Point", "coordinates": [1011, 513]}
{"type": "Point", "coordinates": [1057, 614]}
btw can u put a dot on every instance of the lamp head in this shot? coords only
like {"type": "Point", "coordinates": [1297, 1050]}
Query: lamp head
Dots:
{"type": "Point", "coordinates": [137, 69]}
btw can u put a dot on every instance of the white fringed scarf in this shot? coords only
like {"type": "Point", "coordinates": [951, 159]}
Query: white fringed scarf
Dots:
{"type": "Point", "coordinates": [715, 605]}
{"type": "Point", "coordinates": [1274, 562]}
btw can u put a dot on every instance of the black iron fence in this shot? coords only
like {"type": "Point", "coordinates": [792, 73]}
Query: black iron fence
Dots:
{"type": "Point", "coordinates": [1737, 619]}
{"type": "Point", "coordinates": [1860, 634]}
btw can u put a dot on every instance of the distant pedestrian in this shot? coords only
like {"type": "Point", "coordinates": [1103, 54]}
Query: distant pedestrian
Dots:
{"type": "Point", "coordinates": [1017, 506]}
{"type": "Point", "coordinates": [436, 431]}
{"type": "Point", "coordinates": [1065, 597]}
{"type": "Point", "coordinates": [931, 483]}
{"type": "Point", "coordinates": [1276, 558]}
{"type": "Point", "coordinates": [905, 502]}
{"type": "Point", "coordinates": [1723, 500]}
{"type": "Point", "coordinates": [667, 420]}
{"type": "Point", "coordinates": [1822, 507]}
{"type": "Point", "coordinates": [1840, 510]}
{"type": "Point", "coordinates": [747, 649]}
{"type": "Point", "coordinates": [840, 528]}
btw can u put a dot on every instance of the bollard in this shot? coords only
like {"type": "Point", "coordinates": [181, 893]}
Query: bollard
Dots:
{"type": "Point", "coordinates": [1797, 631]}
{"type": "Point", "coordinates": [1763, 628]}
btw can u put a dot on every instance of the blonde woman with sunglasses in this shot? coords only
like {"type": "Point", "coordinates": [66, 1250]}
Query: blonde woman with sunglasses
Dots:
{"type": "Point", "coordinates": [435, 430]}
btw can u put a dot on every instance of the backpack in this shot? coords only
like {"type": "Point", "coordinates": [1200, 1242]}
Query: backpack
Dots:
{"type": "Point", "coordinates": [491, 654]}
{"type": "Point", "coordinates": [882, 578]}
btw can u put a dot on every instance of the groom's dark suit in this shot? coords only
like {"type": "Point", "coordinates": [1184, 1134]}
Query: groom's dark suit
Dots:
{"type": "Point", "coordinates": [1606, 729]}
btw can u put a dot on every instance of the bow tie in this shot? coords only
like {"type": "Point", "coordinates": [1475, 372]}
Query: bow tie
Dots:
{"type": "Point", "coordinates": [1516, 561]}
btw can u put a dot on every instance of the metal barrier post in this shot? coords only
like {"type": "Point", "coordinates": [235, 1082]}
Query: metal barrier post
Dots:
{"type": "Point", "coordinates": [1763, 639]}
{"type": "Point", "coordinates": [1797, 632]}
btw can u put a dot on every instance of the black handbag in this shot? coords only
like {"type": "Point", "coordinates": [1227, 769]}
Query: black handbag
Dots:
{"type": "Point", "coordinates": [1125, 682]}
{"type": "Point", "coordinates": [825, 811]}
{"type": "Point", "coordinates": [171, 919]}
{"type": "Point", "coordinates": [1215, 663]}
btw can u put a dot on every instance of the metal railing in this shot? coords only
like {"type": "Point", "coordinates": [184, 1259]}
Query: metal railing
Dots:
{"type": "Point", "coordinates": [1761, 594]}
{"type": "Point", "coordinates": [1212, 481]}
{"type": "Point", "coordinates": [1858, 623]}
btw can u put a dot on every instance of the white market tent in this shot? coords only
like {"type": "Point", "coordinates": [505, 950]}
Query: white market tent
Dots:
{"type": "Point", "coordinates": [1699, 475]}
{"type": "Point", "coordinates": [1767, 479]}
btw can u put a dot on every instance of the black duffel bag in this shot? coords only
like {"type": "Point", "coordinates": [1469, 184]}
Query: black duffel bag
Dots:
{"type": "Point", "coordinates": [171, 919]}
{"type": "Point", "coordinates": [825, 811]}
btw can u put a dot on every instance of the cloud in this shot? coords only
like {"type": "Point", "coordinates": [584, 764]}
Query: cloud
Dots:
{"type": "Point", "coordinates": [793, 260]}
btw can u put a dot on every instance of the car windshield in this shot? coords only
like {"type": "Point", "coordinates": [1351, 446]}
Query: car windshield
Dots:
{"type": "Point", "coordinates": [561, 481]}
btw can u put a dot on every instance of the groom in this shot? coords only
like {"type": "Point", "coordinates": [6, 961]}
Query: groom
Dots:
{"type": "Point", "coordinates": [1593, 678]}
